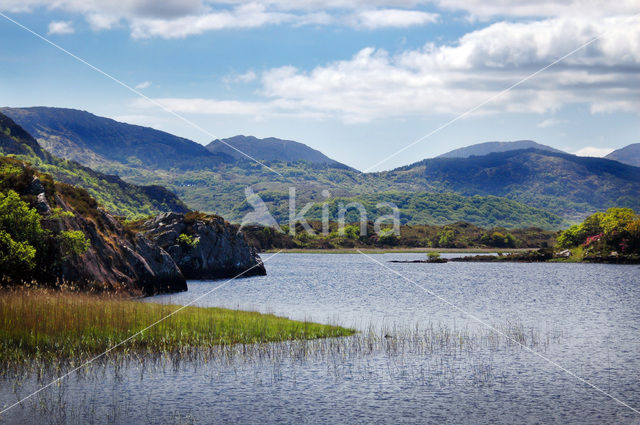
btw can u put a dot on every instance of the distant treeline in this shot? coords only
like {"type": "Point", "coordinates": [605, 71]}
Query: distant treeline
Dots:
{"type": "Point", "coordinates": [457, 235]}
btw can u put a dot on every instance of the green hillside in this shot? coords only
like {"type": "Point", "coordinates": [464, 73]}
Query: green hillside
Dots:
{"type": "Point", "coordinates": [114, 194]}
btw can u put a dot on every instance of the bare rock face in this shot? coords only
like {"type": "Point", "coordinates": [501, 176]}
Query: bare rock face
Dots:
{"type": "Point", "coordinates": [210, 248]}
{"type": "Point", "coordinates": [117, 259]}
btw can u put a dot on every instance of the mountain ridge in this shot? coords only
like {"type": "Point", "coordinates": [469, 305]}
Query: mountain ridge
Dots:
{"type": "Point", "coordinates": [270, 149]}
{"type": "Point", "coordinates": [114, 193]}
{"type": "Point", "coordinates": [557, 182]}
{"type": "Point", "coordinates": [629, 155]}
{"type": "Point", "coordinates": [484, 148]}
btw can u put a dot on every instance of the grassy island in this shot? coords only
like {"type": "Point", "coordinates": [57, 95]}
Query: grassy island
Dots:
{"type": "Point", "coordinates": [39, 324]}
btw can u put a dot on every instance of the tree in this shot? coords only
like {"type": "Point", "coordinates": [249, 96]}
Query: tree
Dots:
{"type": "Point", "coordinates": [20, 236]}
{"type": "Point", "coordinates": [72, 243]}
{"type": "Point", "coordinates": [16, 258]}
{"type": "Point", "coordinates": [616, 220]}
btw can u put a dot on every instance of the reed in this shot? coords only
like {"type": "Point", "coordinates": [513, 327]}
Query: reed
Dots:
{"type": "Point", "coordinates": [39, 324]}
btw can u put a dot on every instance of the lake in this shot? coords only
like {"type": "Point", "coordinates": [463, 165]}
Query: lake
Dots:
{"type": "Point", "coordinates": [431, 362]}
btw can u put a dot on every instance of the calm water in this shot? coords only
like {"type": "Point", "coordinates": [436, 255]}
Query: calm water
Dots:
{"type": "Point", "coordinates": [588, 314]}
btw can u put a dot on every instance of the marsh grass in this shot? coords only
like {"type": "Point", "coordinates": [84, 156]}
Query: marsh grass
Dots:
{"type": "Point", "coordinates": [39, 324]}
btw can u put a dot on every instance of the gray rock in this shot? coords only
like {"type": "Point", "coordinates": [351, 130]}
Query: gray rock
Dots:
{"type": "Point", "coordinates": [42, 205]}
{"type": "Point", "coordinates": [220, 250]}
{"type": "Point", "coordinates": [36, 187]}
{"type": "Point", "coordinates": [118, 259]}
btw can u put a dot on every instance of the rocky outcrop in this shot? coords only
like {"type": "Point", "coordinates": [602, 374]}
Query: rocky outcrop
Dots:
{"type": "Point", "coordinates": [204, 246]}
{"type": "Point", "coordinates": [116, 260]}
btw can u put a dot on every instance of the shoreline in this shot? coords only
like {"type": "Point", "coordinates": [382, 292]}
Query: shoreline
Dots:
{"type": "Point", "coordinates": [397, 250]}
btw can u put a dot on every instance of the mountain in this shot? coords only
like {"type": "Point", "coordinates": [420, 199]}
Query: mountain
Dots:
{"type": "Point", "coordinates": [116, 195]}
{"type": "Point", "coordinates": [492, 147]}
{"type": "Point", "coordinates": [270, 149]}
{"type": "Point", "coordinates": [629, 155]}
{"type": "Point", "coordinates": [105, 144]}
{"type": "Point", "coordinates": [538, 179]}
{"type": "Point", "coordinates": [568, 185]}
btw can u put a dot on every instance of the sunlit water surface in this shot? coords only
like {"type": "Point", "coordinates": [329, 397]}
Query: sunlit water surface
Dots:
{"type": "Point", "coordinates": [586, 318]}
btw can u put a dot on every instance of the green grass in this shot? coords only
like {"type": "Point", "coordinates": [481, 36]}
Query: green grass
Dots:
{"type": "Point", "coordinates": [54, 325]}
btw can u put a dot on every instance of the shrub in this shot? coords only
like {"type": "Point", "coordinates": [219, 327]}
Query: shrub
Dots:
{"type": "Point", "coordinates": [187, 241]}
{"type": "Point", "coordinates": [72, 243]}
{"type": "Point", "coordinates": [20, 235]}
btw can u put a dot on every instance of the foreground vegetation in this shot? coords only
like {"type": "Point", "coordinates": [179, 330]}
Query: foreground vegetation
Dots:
{"type": "Point", "coordinates": [39, 324]}
{"type": "Point", "coordinates": [34, 245]}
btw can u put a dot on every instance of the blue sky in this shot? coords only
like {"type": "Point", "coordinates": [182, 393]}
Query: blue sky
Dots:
{"type": "Point", "coordinates": [356, 80]}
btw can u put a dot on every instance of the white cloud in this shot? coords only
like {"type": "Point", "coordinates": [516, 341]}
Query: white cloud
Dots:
{"type": "Point", "coordinates": [593, 151]}
{"type": "Point", "coordinates": [99, 22]}
{"type": "Point", "coordinates": [60, 28]}
{"type": "Point", "coordinates": [143, 85]}
{"type": "Point", "coordinates": [453, 78]}
{"type": "Point", "coordinates": [148, 18]}
{"type": "Point", "coordinates": [381, 18]}
{"type": "Point", "coordinates": [183, 18]}
{"type": "Point", "coordinates": [247, 77]}
{"type": "Point", "coordinates": [484, 9]}
{"type": "Point", "coordinates": [250, 15]}
{"type": "Point", "coordinates": [550, 122]}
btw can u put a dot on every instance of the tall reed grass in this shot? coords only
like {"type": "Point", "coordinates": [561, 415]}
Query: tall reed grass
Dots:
{"type": "Point", "coordinates": [39, 324]}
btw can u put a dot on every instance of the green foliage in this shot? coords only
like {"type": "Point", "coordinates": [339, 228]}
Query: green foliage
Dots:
{"type": "Point", "coordinates": [18, 219]}
{"type": "Point", "coordinates": [617, 229]}
{"type": "Point", "coordinates": [59, 214]}
{"type": "Point", "coordinates": [20, 235]}
{"type": "Point", "coordinates": [615, 220]}
{"type": "Point", "coordinates": [187, 241]}
{"type": "Point", "coordinates": [16, 258]}
{"type": "Point", "coordinates": [352, 231]}
{"type": "Point", "coordinates": [433, 255]}
{"type": "Point", "coordinates": [499, 240]}
{"type": "Point", "coordinates": [72, 243]}
{"type": "Point", "coordinates": [457, 235]}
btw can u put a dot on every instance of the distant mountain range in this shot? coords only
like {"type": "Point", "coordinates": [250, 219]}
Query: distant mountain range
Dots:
{"type": "Point", "coordinates": [485, 148]}
{"type": "Point", "coordinates": [568, 185]}
{"type": "Point", "coordinates": [118, 196]}
{"type": "Point", "coordinates": [270, 149]}
{"type": "Point", "coordinates": [540, 183]}
{"type": "Point", "coordinates": [630, 155]}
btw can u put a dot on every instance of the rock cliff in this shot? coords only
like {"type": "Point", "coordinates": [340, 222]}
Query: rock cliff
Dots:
{"type": "Point", "coordinates": [116, 259]}
{"type": "Point", "coordinates": [203, 246]}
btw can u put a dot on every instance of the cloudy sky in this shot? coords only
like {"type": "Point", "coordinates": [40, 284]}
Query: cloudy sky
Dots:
{"type": "Point", "coordinates": [358, 80]}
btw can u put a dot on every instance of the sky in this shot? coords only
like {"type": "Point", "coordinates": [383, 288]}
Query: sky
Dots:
{"type": "Point", "coordinates": [374, 84]}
